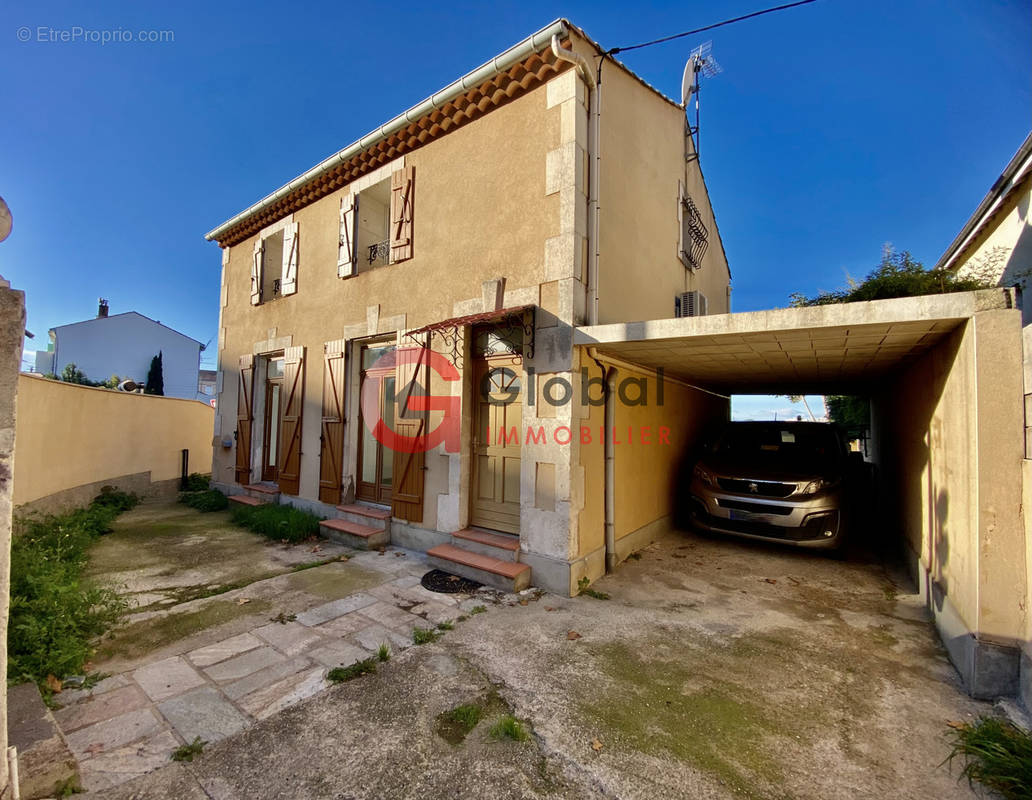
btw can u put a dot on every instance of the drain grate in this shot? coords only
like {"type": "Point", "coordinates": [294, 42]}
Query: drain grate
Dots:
{"type": "Point", "coordinates": [437, 580]}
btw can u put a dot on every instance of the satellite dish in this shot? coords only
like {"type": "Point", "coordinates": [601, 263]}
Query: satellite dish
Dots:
{"type": "Point", "coordinates": [701, 61]}
{"type": "Point", "coordinates": [128, 386]}
{"type": "Point", "coordinates": [6, 222]}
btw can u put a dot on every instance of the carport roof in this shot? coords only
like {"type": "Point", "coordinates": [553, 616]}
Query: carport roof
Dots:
{"type": "Point", "coordinates": [822, 349]}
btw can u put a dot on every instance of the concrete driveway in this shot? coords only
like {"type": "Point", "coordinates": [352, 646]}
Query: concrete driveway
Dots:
{"type": "Point", "coordinates": [716, 670]}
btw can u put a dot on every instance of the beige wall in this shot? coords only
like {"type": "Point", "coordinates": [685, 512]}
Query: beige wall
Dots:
{"type": "Point", "coordinates": [70, 435]}
{"type": "Point", "coordinates": [643, 160]}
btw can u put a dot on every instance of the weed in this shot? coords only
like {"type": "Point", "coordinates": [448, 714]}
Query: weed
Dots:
{"type": "Point", "coordinates": [447, 625]}
{"type": "Point", "coordinates": [186, 752]}
{"type": "Point", "coordinates": [383, 652]}
{"type": "Point", "coordinates": [454, 726]}
{"type": "Point", "coordinates": [196, 482]}
{"type": "Point", "coordinates": [889, 592]}
{"type": "Point", "coordinates": [115, 499]}
{"type": "Point", "coordinates": [68, 787]}
{"type": "Point", "coordinates": [281, 523]}
{"type": "Point", "coordinates": [996, 755]}
{"type": "Point", "coordinates": [508, 727]}
{"type": "Point", "coordinates": [356, 670]}
{"type": "Point", "coordinates": [424, 635]}
{"type": "Point", "coordinates": [313, 564]}
{"type": "Point", "coordinates": [207, 500]}
{"type": "Point", "coordinates": [461, 618]}
{"type": "Point", "coordinates": [635, 556]}
{"type": "Point", "coordinates": [282, 618]}
{"type": "Point", "coordinates": [478, 609]}
{"type": "Point", "coordinates": [582, 585]}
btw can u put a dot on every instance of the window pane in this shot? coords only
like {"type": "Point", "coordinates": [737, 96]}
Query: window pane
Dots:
{"type": "Point", "coordinates": [378, 356]}
{"type": "Point", "coordinates": [368, 454]}
{"type": "Point", "coordinates": [275, 367]}
{"type": "Point", "coordinates": [274, 398]}
{"type": "Point", "coordinates": [388, 418]}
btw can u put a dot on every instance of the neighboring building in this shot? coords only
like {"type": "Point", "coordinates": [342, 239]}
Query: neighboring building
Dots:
{"type": "Point", "coordinates": [206, 381]}
{"type": "Point", "coordinates": [996, 242]}
{"type": "Point", "coordinates": [481, 225]}
{"type": "Point", "coordinates": [123, 345]}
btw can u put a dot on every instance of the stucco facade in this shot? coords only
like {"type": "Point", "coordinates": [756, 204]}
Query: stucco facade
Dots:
{"type": "Point", "coordinates": [503, 217]}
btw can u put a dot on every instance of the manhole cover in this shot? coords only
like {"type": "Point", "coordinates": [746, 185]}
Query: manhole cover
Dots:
{"type": "Point", "coordinates": [437, 580]}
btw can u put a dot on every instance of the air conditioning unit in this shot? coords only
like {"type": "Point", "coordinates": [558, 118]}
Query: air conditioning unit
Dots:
{"type": "Point", "coordinates": [690, 304]}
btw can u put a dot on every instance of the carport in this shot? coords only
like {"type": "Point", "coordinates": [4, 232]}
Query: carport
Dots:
{"type": "Point", "coordinates": [945, 378]}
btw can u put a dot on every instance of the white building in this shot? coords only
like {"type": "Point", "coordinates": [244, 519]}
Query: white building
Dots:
{"type": "Point", "coordinates": [123, 345]}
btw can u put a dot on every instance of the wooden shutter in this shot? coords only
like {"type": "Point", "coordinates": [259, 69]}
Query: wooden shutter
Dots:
{"type": "Point", "coordinates": [409, 468]}
{"type": "Point", "coordinates": [402, 199]}
{"type": "Point", "coordinates": [347, 261]}
{"type": "Point", "coordinates": [332, 437]}
{"type": "Point", "coordinates": [292, 403]}
{"type": "Point", "coordinates": [257, 272]}
{"type": "Point", "coordinates": [243, 430]}
{"type": "Point", "coordinates": [288, 278]}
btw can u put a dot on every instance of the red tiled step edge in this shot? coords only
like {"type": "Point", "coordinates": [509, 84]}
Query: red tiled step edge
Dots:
{"type": "Point", "coordinates": [365, 531]}
{"type": "Point", "coordinates": [508, 569]}
{"type": "Point", "coordinates": [255, 487]}
{"type": "Point", "coordinates": [365, 511]}
{"type": "Point", "coordinates": [510, 543]}
{"type": "Point", "coordinates": [243, 499]}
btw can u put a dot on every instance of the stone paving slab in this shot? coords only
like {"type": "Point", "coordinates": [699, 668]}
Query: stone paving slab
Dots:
{"type": "Point", "coordinates": [289, 639]}
{"type": "Point", "coordinates": [343, 626]}
{"type": "Point", "coordinates": [107, 770]}
{"type": "Point", "coordinates": [338, 654]}
{"type": "Point", "coordinates": [99, 708]}
{"type": "Point", "coordinates": [114, 733]}
{"type": "Point", "coordinates": [371, 637]}
{"type": "Point", "coordinates": [244, 664]}
{"type": "Point", "coordinates": [167, 678]}
{"type": "Point", "coordinates": [284, 693]}
{"type": "Point", "coordinates": [220, 651]}
{"type": "Point", "coordinates": [71, 696]}
{"type": "Point", "coordinates": [435, 613]}
{"type": "Point", "coordinates": [264, 677]}
{"type": "Point", "coordinates": [390, 615]}
{"type": "Point", "coordinates": [335, 608]}
{"type": "Point", "coordinates": [204, 712]}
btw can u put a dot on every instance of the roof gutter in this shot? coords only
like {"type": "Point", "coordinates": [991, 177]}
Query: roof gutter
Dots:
{"type": "Point", "coordinates": [534, 43]}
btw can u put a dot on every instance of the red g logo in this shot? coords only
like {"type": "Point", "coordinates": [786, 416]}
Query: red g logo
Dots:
{"type": "Point", "coordinates": [419, 440]}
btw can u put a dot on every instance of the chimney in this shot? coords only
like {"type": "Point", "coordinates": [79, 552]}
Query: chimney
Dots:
{"type": "Point", "coordinates": [101, 308]}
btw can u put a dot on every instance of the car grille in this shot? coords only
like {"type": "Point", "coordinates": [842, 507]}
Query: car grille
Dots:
{"type": "Point", "coordinates": [755, 508]}
{"type": "Point", "coordinates": [764, 488]}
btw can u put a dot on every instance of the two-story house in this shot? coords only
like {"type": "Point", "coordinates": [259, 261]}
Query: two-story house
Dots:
{"type": "Point", "coordinates": [396, 328]}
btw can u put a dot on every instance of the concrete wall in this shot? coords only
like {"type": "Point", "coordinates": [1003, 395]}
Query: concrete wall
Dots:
{"type": "Point", "coordinates": [72, 436]}
{"type": "Point", "coordinates": [123, 345]}
{"type": "Point", "coordinates": [950, 446]}
{"type": "Point", "coordinates": [12, 328]}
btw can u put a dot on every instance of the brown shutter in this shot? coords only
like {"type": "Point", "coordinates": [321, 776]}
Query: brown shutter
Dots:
{"type": "Point", "coordinates": [293, 402]}
{"type": "Point", "coordinates": [346, 259]}
{"type": "Point", "coordinates": [402, 199]}
{"type": "Point", "coordinates": [409, 468]}
{"type": "Point", "coordinates": [332, 438]}
{"type": "Point", "coordinates": [243, 438]}
{"type": "Point", "coordinates": [288, 277]}
{"type": "Point", "coordinates": [257, 272]}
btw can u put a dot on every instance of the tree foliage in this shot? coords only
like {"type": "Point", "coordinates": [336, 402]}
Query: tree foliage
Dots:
{"type": "Point", "coordinates": [851, 412]}
{"type": "Point", "coordinates": [898, 275]}
{"type": "Point", "coordinates": [155, 378]}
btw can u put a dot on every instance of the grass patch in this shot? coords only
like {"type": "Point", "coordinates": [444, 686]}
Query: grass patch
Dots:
{"type": "Point", "coordinates": [186, 752]}
{"type": "Point", "coordinates": [281, 523]}
{"type": "Point", "coordinates": [455, 725]}
{"type": "Point", "coordinates": [425, 635]}
{"type": "Point", "coordinates": [508, 727]}
{"type": "Point", "coordinates": [68, 787]}
{"type": "Point", "coordinates": [583, 586]}
{"type": "Point", "coordinates": [447, 625]}
{"type": "Point", "coordinates": [358, 669]}
{"type": "Point", "coordinates": [56, 612]}
{"type": "Point", "coordinates": [196, 482]}
{"type": "Point", "coordinates": [206, 501]}
{"type": "Point", "coordinates": [383, 652]}
{"type": "Point", "coordinates": [995, 754]}
{"type": "Point", "coordinates": [478, 610]}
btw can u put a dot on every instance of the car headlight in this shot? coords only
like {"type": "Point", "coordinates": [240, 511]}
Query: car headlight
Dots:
{"type": "Point", "coordinates": [703, 475]}
{"type": "Point", "coordinates": [816, 486]}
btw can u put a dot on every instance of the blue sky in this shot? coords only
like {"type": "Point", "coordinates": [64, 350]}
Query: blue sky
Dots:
{"type": "Point", "coordinates": [835, 127]}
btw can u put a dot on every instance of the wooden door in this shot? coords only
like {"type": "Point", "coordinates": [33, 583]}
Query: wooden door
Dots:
{"type": "Point", "coordinates": [244, 417]}
{"type": "Point", "coordinates": [293, 402]}
{"type": "Point", "coordinates": [496, 444]}
{"type": "Point", "coordinates": [376, 462]}
{"type": "Point", "coordinates": [331, 439]}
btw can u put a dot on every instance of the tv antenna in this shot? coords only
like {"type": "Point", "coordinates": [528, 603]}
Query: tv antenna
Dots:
{"type": "Point", "coordinates": [700, 63]}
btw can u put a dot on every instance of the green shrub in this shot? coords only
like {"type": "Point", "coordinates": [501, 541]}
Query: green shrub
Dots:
{"type": "Point", "coordinates": [196, 482]}
{"type": "Point", "coordinates": [996, 755]}
{"type": "Point", "coordinates": [56, 613]}
{"type": "Point", "coordinates": [208, 500]}
{"type": "Point", "coordinates": [281, 523]}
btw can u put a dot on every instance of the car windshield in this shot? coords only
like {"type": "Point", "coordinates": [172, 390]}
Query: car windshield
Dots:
{"type": "Point", "coordinates": [796, 447]}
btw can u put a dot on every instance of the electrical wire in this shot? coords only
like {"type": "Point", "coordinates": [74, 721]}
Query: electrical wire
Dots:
{"type": "Point", "coordinates": [615, 50]}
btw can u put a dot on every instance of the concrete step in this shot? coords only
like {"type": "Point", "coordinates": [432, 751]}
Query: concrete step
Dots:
{"type": "Point", "coordinates": [496, 545]}
{"type": "Point", "coordinates": [246, 500]}
{"type": "Point", "coordinates": [352, 534]}
{"type": "Point", "coordinates": [366, 515]}
{"type": "Point", "coordinates": [509, 576]}
{"type": "Point", "coordinates": [268, 492]}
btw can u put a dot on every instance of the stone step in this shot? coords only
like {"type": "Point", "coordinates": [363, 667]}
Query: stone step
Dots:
{"type": "Point", "coordinates": [246, 500]}
{"type": "Point", "coordinates": [352, 534]}
{"type": "Point", "coordinates": [366, 515]}
{"type": "Point", "coordinates": [509, 576]}
{"type": "Point", "coordinates": [262, 491]}
{"type": "Point", "coordinates": [496, 545]}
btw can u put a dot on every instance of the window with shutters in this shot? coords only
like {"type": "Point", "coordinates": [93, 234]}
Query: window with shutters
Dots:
{"type": "Point", "coordinates": [274, 268]}
{"type": "Point", "coordinates": [271, 278]}
{"type": "Point", "coordinates": [373, 221]}
{"type": "Point", "coordinates": [376, 224]}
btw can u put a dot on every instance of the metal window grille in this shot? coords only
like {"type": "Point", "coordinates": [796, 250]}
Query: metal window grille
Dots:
{"type": "Point", "coordinates": [695, 235]}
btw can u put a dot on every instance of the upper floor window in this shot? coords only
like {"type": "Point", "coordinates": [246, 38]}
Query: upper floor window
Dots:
{"type": "Point", "coordinates": [274, 264]}
{"type": "Point", "coordinates": [376, 224]}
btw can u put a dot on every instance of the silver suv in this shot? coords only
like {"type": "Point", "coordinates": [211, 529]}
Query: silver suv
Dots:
{"type": "Point", "coordinates": [773, 480]}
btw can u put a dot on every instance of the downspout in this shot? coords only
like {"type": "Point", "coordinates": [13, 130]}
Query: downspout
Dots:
{"type": "Point", "coordinates": [609, 491]}
{"type": "Point", "coordinates": [594, 111]}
